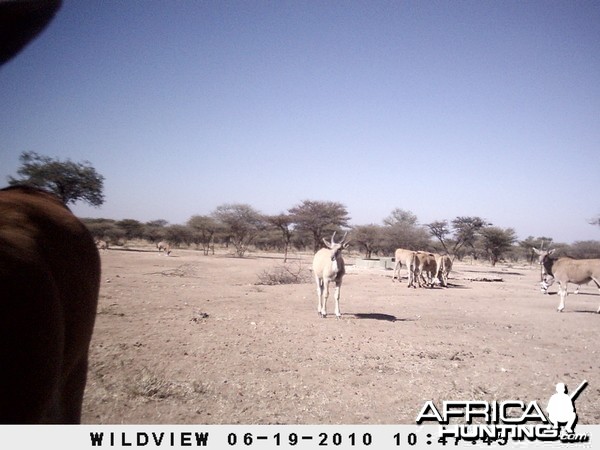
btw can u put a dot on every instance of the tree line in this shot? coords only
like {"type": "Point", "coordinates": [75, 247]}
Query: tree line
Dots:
{"type": "Point", "coordinates": [302, 227]}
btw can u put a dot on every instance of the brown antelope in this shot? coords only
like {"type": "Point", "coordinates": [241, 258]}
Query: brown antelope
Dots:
{"type": "Point", "coordinates": [568, 270]}
{"type": "Point", "coordinates": [444, 266]}
{"type": "Point", "coordinates": [425, 268]}
{"type": "Point", "coordinates": [328, 265]}
{"type": "Point", "coordinates": [50, 277]}
{"type": "Point", "coordinates": [164, 246]}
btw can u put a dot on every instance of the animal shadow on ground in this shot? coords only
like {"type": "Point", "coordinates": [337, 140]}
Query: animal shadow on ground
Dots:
{"type": "Point", "coordinates": [585, 311]}
{"type": "Point", "coordinates": [137, 250]}
{"type": "Point", "coordinates": [496, 272]}
{"type": "Point", "coordinates": [378, 316]}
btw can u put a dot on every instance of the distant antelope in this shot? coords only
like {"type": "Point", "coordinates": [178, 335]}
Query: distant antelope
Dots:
{"type": "Point", "coordinates": [164, 246]}
{"type": "Point", "coordinates": [102, 245]}
{"type": "Point", "coordinates": [425, 268]}
{"type": "Point", "coordinates": [444, 266]}
{"type": "Point", "coordinates": [328, 265]}
{"type": "Point", "coordinates": [50, 277]}
{"type": "Point", "coordinates": [406, 257]}
{"type": "Point", "coordinates": [568, 270]}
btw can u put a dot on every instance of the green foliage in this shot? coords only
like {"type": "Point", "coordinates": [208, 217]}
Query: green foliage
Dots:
{"type": "Point", "coordinates": [204, 230]}
{"type": "Point", "coordinates": [497, 241]}
{"type": "Point", "coordinates": [402, 218]}
{"type": "Point", "coordinates": [585, 249]}
{"type": "Point", "coordinates": [319, 218]}
{"type": "Point", "coordinates": [241, 222]}
{"type": "Point", "coordinates": [132, 228]}
{"type": "Point", "coordinates": [283, 223]}
{"type": "Point", "coordinates": [154, 231]}
{"type": "Point", "coordinates": [369, 238]}
{"type": "Point", "coordinates": [70, 181]}
{"type": "Point", "coordinates": [178, 234]}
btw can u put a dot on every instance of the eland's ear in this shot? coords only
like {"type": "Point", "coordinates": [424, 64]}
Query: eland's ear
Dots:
{"type": "Point", "coordinates": [327, 243]}
{"type": "Point", "coordinates": [550, 252]}
{"type": "Point", "coordinates": [346, 244]}
{"type": "Point", "coordinates": [537, 252]}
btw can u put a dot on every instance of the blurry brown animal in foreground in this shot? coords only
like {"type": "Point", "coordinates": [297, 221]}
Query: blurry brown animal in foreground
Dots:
{"type": "Point", "coordinates": [50, 277]}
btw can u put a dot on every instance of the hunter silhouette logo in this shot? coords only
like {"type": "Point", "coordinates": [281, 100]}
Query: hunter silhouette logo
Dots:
{"type": "Point", "coordinates": [501, 421]}
{"type": "Point", "coordinates": [561, 407]}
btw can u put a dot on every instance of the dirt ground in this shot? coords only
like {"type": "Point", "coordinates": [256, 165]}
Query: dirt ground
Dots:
{"type": "Point", "coordinates": [194, 339]}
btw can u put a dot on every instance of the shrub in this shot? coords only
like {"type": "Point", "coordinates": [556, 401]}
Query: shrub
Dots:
{"type": "Point", "coordinates": [286, 273]}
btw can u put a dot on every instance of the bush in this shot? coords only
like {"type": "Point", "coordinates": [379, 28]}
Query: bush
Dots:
{"type": "Point", "coordinates": [286, 273]}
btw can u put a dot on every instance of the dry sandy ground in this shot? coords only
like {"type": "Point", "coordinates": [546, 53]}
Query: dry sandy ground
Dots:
{"type": "Point", "coordinates": [193, 339]}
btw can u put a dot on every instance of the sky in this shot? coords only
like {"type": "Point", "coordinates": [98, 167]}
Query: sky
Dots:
{"type": "Point", "coordinates": [441, 108]}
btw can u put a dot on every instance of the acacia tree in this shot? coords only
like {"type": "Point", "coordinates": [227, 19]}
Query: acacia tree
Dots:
{"type": "Point", "coordinates": [318, 218]}
{"type": "Point", "coordinates": [283, 223]}
{"type": "Point", "coordinates": [154, 230]}
{"type": "Point", "coordinates": [440, 230]}
{"type": "Point", "coordinates": [466, 231]}
{"type": "Point", "coordinates": [369, 238]}
{"type": "Point", "coordinates": [178, 234]}
{"type": "Point", "coordinates": [70, 181]}
{"type": "Point", "coordinates": [402, 230]}
{"type": "Point", "coordinates": [401, 217]}
{"type": "Point", "coordinates": [204, 230]}
{"type": "Point", "coordinates": [105, 229]}
{"type": "Point", "coordinates": [497, 241]}
{"type": "Point", "coordinates": [242, 222]}
{"type": "Point", "coordinates": [132, 228]}
{"type": "Point", "coordinates": [526, 247]}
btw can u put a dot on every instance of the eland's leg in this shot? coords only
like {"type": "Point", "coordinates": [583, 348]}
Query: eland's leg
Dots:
{"type": "Point", "coordinates": [396, 272]}
{"type": "Point", "coordinates": [319, 293]}
{"type": "Point", "coordinates": [441, 278]}
{"type": "Point", "coordinates": [411, 277]}
{"type": "Point", "coordinates": [562, 290]}
{"type": "Point", "coordinates": [445, 279]}
{"type": "Point", "coordinates": [325, 297]}
{"type": "Point", "coordinates": [338, 286]}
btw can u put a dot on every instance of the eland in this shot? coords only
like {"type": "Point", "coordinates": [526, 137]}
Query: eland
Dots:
{"type": "Point", "coordinates": [328, 265]}
{"type": "Point", "coordinates": [444, 266]}
{"type": "Point", "coordinates": [165, 247]}
{"type": "Point", "coordinates": [406, 257]}
{"type": "Point", "coordinates": [425, 268]}
{"type": "Point", "coordinates": [568, 270]}
{"type": "Point", "coordinates": [50, 278]}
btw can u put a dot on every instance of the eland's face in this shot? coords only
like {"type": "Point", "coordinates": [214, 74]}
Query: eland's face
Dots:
{"type": "Point", "coordinates": [542, 257]}
{"type": "Point", "coordinates": [336, 248]}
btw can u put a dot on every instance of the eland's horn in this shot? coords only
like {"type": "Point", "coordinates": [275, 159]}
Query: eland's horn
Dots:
{"type": "Point", "coordinates": [332, 237]}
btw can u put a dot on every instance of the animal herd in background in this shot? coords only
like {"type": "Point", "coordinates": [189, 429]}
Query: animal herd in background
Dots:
{"type": "Point", "coordinates": [423, 267]}
{"type": "Point", "coordinates": [328, 266]}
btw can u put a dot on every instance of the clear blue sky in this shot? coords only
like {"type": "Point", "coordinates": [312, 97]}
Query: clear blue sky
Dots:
{"type": "Point", "coordinates": [442, 108]}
